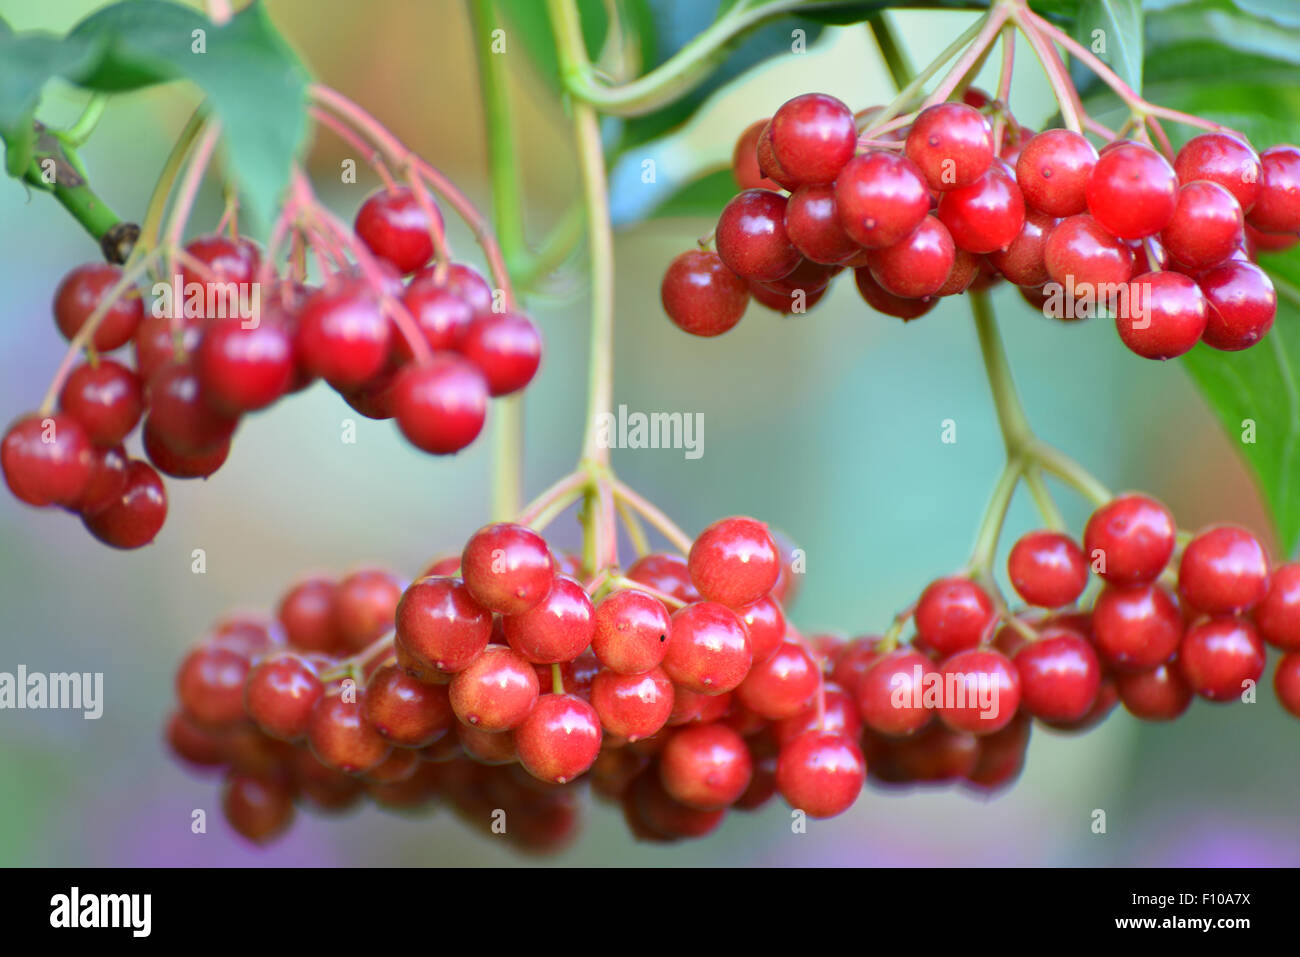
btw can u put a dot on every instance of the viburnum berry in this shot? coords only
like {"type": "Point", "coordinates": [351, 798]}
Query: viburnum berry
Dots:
{"type": "Point", "coordinates": [820, 773]}
{"type": "Point", "coordinates": [744, 160]}
{"type": "Point", "coordinates": [1207, 226]}
{"type": "Point", "coordinates": [937, 755]}
{"type": "Point", "coordinates": [407, 712]}
{"type": "Point", "coordinates": [1220, 655]}
{"type": "Point", "coordinates": [734, 562]}
{"type": "Point", "coordinates": [765, 624]}
{"type": "Point", "coordinates": [105, 398]}
{"type": "Point", "coordinates": [507, 568]}
{"type": "Point", "coordinates": [560, 738]}
{"type": "Point", "coordinates": [1157, 694]}
{"type": "Point", "coordinates": [495, 691]}
{"type": "Point", "coordinates": [631, 630]}
{"type": "Point", "coordinates": [134, 519]}
{"type": "Point", "coordinates": [951, 144]}
{"type": "Point", "coordinates": [1165, 315]}
{"type": "Point", "coordinates": [342, 336]}
{"type": "Point", "coordinates": [1224, 159]}
{"type": "Point", "coordinates": [210, 685]}
{"type": "Point", "coordinates": [558, 628]}
{"type": "Point", "coordinates": [953, 614]}
{"type": "Point", "coordinates": [215, 262]}
{"type": "Point", "coordinates": [1059, 676]}
{"type": "Point", "coordinates": [279, 695]}
{"type": "Point", "coordinates": [812, 222]}
{"type": "Point", "coordinates": [259, 808]}
{"type": "Point", "coordinates": [632, 706]}
{"type": "Point", "coordinates": [439, 314]}
{"type": "Point", "coordinates": [182, 465]}
{"type": "Point", "coordinates": [306, 613]}
{"type": "Point", "coordinates": [664, 573]}
{"type": "Point", "coordinates": [395, 226]}
{"type": "Point", "coordinates": [751, 237]}
{"type": "Point", "coordinates": [985, 215]}
{"type": "Point", "coordinates": [664, 817]}
{"type": "Point", "coordinates": [178, 414]}
{"type": "Point", "coordinates": [1223, 571]}
{"type": "Point", "coordinates": [917, 265]}
{"type": "Point", "coordinates": [441, 625]}
{"type": "Point", "coordinates": [781, 686]}
{"type": "Point", "coordinates": [47, 459]}
{"type": "Point", "coordinates": [340, 736]}
{"type": "Point", "coordinates": [708, 650]}
{"type": "Point", "coordinates": [1130, 539]}
{"type": "Point", "coordinates": [1132, 191]}
{"type": "Point", "coordinates": [886, 302]}
{"type": "Point", "coordinates": [1047, 569]}
{"type": "Point", "coordinates": [1052, 172]}
{"type": "Point", "coordinates": [242, 369]}
{"type": "Point", "coordinates": [965, 269]}
{"type": "Point", "coordinates": [881, 197]}
{"type": "Point", "coordinates": [1286, 682]}
{"type": "Point", "coordinates": [1277, 207]}
{"type": "Point", "coordinates": [506, 347]}
{"type": "Point", "coordinates": [441, 405]}
{"type": "Point", "coordinates": [107, 480]}
{"type": "Point", "coordinates": [838, 715]}
{"type": "Point", "coordinates": [813, 136]}
{"type": "Point", "coordinates": [691, 707]}
{"type": "Point", "coordinates": [1277, 616]}
{"type": "Point", "coordinates": [81, 292]}
{"type": "Point", "coordinates": [981, 691]}
{"type": "Point", "coordinates": [701, 295]}
{"type": "Point", "coordinates": [487, 747]}
{"type": "Point", "coordinates": [891, 693]}
{"type": "Point", "coordinates": [1136, 627]}
{"type": "Point", "coordinates": [854, 659]}
{"type": "Point", "coordinates": [1241, 305]}
{"type": "Point", "coordinates": [1080, 250]}
{"type": "Point", "coordinates": [364, 605]}
{"type": "Point", "coordinates": [155, 343]}
{"type": "Point", "coordinates": [705, 766]}
{"type": "Point", "coordinates": [1023, 261]}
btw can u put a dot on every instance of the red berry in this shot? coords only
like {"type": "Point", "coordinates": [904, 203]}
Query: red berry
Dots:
{"type": "Point", "coordinates": [1053, 170]}
{"type": "Point", "coordinates": [953, 614]}
{"type": "Point", "coordinates": [632, 706]}
{"type": "Point", "coordinates": [496, 691]}
{"type": "Point", "coordinates": [507, 568]}
{"type": "Point", "coordinates": [395, 227]}
{"type": "Point", "coordinates": [1024, 261]}
{"type": "Point", "coordinates": [1277, 208]}
{"type": "Point", "coordinates": [1132, 191]}
{"type": "Point", "coordinates": [1241, 305]}
{"type": "Point", "coordinates": [242, 369]}
{"type": "Point", "coordinates": [631, 631]}
{"type": "Point", "coordinates": [981, 691]}
{"type": "Point", "coordinates": [1219, 656]}
{"type": "Point", "coordinates": [506, 347]}
{"type": "Point", "coordinates": [364, 605]}
{"type": "Point", "coordinates": [490, 748]}
{"type": "Point", "coordinates": [1223, 571]}
{"type": "Point", "coordinates": [886, 302]}
{"type": "Point", "coordinates": [1286, 683]}
{"type": "Point", "coordinates": [279, 695]}
{"type": "Point", "coordinates": [917, 265]}
{"type": "Point", "coordinates": [985, 215]}
{"type": "Point", "coordinates": [82, 290]}
{"type": "Point", "coordinates": [107, 480]}
{"type": "Point", "coordinates": [136, 516]}
{"type": "Point", "coordinates": [965, 269]}
{"type": "Point", "coordinates": [812, 222]}
{"type": "Point", "coordinates": [951, 144]}
{"type": "Point", "coordinates": [440, 406]}
{"type": "Point", "coordinates": [201, 748]}
{"type": "Point", "coordinates": [340, 736]}
{"type": "Point", "coordinates": [701, 295]}
{"type": "Point", "coordinates": [751, 236]}
{"type": "Point", "coordinates": [1059, 676]}
{"type": "Point", "coordinates": [105, 398]}
{"type": "Point", "coordinates": [306, 613]}
{"type": "Point", "coordinates": [156, 343]}
{"type": "Point", "coordinates": [47, 460]}
{"type": "Point", "coordinates": [406, 711]}
{"type": "Point", "coordinates": [820, 773]}
{"type": "Point", "coordinates": [178, 415]}
{"type": "Point", "coordinates": [1047, 569]}
{"type": "Point", "coordinates": [1136, 627]}
{"type": "Point", "coordinates": [891, 694]}
{"type": "Point", "coordinates": [441, 316]}
{"type": "Point", "coordinates": [441, 625]}
{"type": "Point", "coordinates": [560, 739]}
{"type": "Point", "coordinates": [210, 685]}
{"type": "Point", "coordinates": [705, 766]}
{"type": "Point", "coordinates": [853, 660]}
{"type": "Point", "coordinates": [666, 818]}
{"type": "Point", "coordinates": [342, 335]}
{"type": "Point", "coordinates": [221, 262]}
{"type": "Point", "coordinates": [881, 197]}
{"type": "Point", "coordinates": [744, 160]}
{"type": "Point", "coordinates": [765, 624]}
{"type": "Point", "coordinates": [734, 562]}
{"type": "Point", "coordinates": [783, 685]}
{"type": "Point", "coordinates": [179, 465]}
{"type": "Point", "coordinates": [1165, 315]}
{"type": "Point", "coordinates": [1130, 539]}
{"type": "Point", "coordinates": [1223, 159]}
{"type": "Point", "coordinates": [1206, 228]}
{"type": "Point", "coordinates": [664, 573]}
{"type": "Point", "coordinates": [558, 628]}
{"type": "Point", "coordinates": [461, 281]}
{"type": "Point", "coordinates": [839, 715]}
{"type": "Point", "coordinates": [259, 808]}
{"type": "Point", "coordinates": [1001, 757]}
{"type": "Point", "coordinates": [1159, 694]}
{"type": "Point", "coordinates": [1277, 616]}
{"type": "Point", "coordinates": [813, 136]}
{"type": "Point", "coordinates": [1080, 250]}
{"type": "Point", "coordinates": [690, 707]}
{"type": "Point", "coordinates": [708, 650]}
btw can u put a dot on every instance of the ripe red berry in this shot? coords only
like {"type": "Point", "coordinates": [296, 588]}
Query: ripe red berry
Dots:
{"type": "Point", "coordinates": [631, 631]}
{"type": "Point", "coordinates": [507, 568]}
{"type": "Point", "coordinates": [744, 160]}
{"type": "Point", "coordinates": [935, 756]}
{"type": "Point", "coordinates": [1158, 694]}
{"type": "Point", "coordinates": [708, 650]}
{"type": "Point", "coordinates": [439, 314]}
{"type": "Point", "coordinates": [105, 398]}
{"type": "Point", "coordinates": [484, 747]}
{"type": "Point", "coordinates": [892, 692]}
{"type": "Point", "coordinates": [1223, 571]}
{"type": "Point", "coordinates": [1053, 169]}
{"type": "Point", "coordinates": [1080, 250]}
{"type": "Point", "coordinates": [820, 773]}
{"type": "Point", "coordinates": [813, 136]}
{"type": "Point", "coordinates": [210, 685]}
{"type": "Point", "coordinates": [1047, 569]}
{"type": "Point", "coordinates": [734, 562]}
{"type": "Point", "coordinates": [812, 221]}
{"type": "Point", "coordinates": [258, 807]}
{"type": "Point", "coordinates": [280, 693]}
{"type": "Point", "coordinates": [783, 685]}
{"type": "Point", "coordinates": [1286, 683]}
{"type": "Point", "coordinates": [1219, 656]}
{"type": "Point", "coordinates": [705, 766]}
{"type": "Point", "coordinates": [441, 625]}
{"type": "Point", "coordinates": [881, 197]}
{"type": "Point", "coordinates": [156, 343]}
{"type": "Point", "coordinates": [47, 460]}
{"type": "Point", "coordinates": [951, 144]}
{"type": "Point", "coordinates": [242, 369]}
{"type": "Point", "coordinates": [1277, 208]}
{"type": "Point", "coordinates": [765, 624]}
{"type": "Point", "coordinates": [1207, 226]}
{"type": "Point", "coordinates": [306, 613]}
{"type": "Point", "coordinates": [178, 414]}
{"type": "Point", "coordinates": [1059, 676]}
{"type": "Point", "coordinates": [632, 706]}
{"type": "Point", "coordinates": [1223, 159]}
{"type": "Point", "coordinates": [560, 739]}
{"type": "Point", "coordinates": [1024, 261]}
{"type": "Point", "coordinates": [1241, 305]}
{"type": "Point", "coordinates": [340, 736]}
{"type": "Point", "coordinates": [495, 691]}
{"type": "Point", "coordinates": [407, 712]}
{"type": "Point", "coordinates": [691, 707]}
{"type": "Point", "coordinates": [556, 629]}
{"type": "Point", "coordinates": [886, 302]}
{"type": "Point", "coordinates": [182, 465]}
{"type": "Point", "coordinates": [220, 261]}
{"type": "Point", "coordinates": [107, 480]}
{"type": "Point", "coordinates": [136, 516]}
{"type": "Point", "coordinates": [82, 290]}
{"type": "Point", "coordinates": [364, 604]}
{"type": "Point", "coordinates": [981, 691]}
{"type": "Point", "coordinates": [953, 614]}
{"type": "Point", "coordinates": [751, 236]}
{"type": "Point", "coordinates": [1136, 627]}
{"type": "Point", "coordinates": [701, 295]}
{"type": "Point", "coordinates": [506, 347]}
{"type": "Point", "coordinates": [665, 573]}
{"type": "Point", "coordinates": [1130, 539]}
{"type": "Point", "coordinates": [917, 265]}
{"type": "Point", "coordinates": [985, 215]}
{"type": "Point", "coordinates": [342, 335]}
{"type": "Point", "coordinates": [1165, 315]}
{"type": "Point", "coordinates": [1132, 191]}
{"type": "Point", "coordinates": [441, 405]}
{"type": "Point", "coordinates": [395, 227]}
{"type": "Point", "coordinates": [1277, 616]}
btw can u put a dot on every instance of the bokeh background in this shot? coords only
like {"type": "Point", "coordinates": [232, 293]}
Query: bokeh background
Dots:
{"type": "Point", "coordinates": [828, 426]}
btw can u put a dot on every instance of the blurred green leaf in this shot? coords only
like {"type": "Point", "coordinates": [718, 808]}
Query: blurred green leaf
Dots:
{"type": "Point", "coordinates": [1112, 30]}
{"type": "Point", "coordinates": [27, 61]}
{"type": "Point", "coordinates": [701, 197]}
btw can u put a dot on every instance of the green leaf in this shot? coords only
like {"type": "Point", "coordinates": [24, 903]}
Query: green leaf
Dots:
{"type": "Point", "coordinates": [27, 61]}
{"type": "Point", "coordinates": [1112, 30]}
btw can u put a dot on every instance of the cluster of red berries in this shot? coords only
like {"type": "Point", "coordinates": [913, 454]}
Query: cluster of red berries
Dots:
{"type": "Point", "coordinates": [938, 207]}
{"type": "Point", "coordinates": [195, 373]}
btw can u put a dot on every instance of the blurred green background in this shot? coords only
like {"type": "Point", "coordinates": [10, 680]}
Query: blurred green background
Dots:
{"type": "Point", "coordinates": [827, 426]}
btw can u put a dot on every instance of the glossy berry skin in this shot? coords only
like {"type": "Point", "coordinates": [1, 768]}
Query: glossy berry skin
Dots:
{"type": "Point", "coordinates": [953, 614]}
{"type": "Point", "coordinates": [705, 766]}
{"type": "Point", "coordinates": [506, 347]}
{"type": "Point", "coordinates": [342, 335]}
{"type": "Point", "coordinates": [1158, 694]}
{"type": "Point", "coordinates": [507, 568]}
{"type": "Point", "coordinates": [965, 270]}
{"type": "Point", "coordinates": [985, 215]}
{"type": "Point", "coordinates": [691, 707]}
{"type": "Point", "coordinates": [179, 415]}
{"type": "Point", "coordinates": [734, 562]}
{"type": "Point", "coordinates": [137, 515]}
{"type": "Point", "coordinates": [106, 399]}
{"type": "Point", "coordinates": [341, 738]}
{"type": "Point", "coordinates": [1059, 677]}
{"type": "Point", "coordinates": [751, 237]}
{"type": "Point", "coordinates": [744, 160]}
{"type": "Point", "coordinates": [701, 295]}
{"type": "Point", "coordinates": [631, 630]}
{"type": "Point", "coordinates": [363, 606]}
{"type": "Point", "coordinates": [1047, 569]}
{"type": "Point", "coordinates": [556, 629]}
{"type": "Point", "coordinates": [891, 693]}
{"type": "Point", "coordinates": [1129, 540]}
{"type": "Point", "coordinates": [1080, 250]}
{"type": "Point", "coordinates": [1223, 571]}
{"type": "Point", "coordinates": [280, 693]}
{"type": "Point", "coordinates": [1218, 657]}
{"type": "Point", "coordinates": [1132, 191]}
{"type": "Point", "coordinates": [496, 691]}
{"type": "Point", "coordinates": [1277, 208]}
{"type": "Point", "coordinates": [259, 808]}
{"type": "Point", "coordinates": [812, 222]}
{"type": "Point", "coordinates": [1024, 261]}
{"type": "Point", "coordinates": [708, 650]}
{"type": "Point", "coordinates": [107, 480]}
{"type": "Point", "coordinates": [560, 739]}
{"type": "Point", "coordinates": [439, 314]}
{"type": "Point", "coordinates": [154, 344]}
{"type": "Point", "coordinates": [487, 748]}
{"type": "Point", "coordinates": [242, 370]}
{"type": "Point", "coordinates": [1223, 159]}
{"type": "Point", "coordinates": [951, 144]}
{"type": "Point", "coordinates": [441, 405]}
{"type": "Point", "coordinates": [886, 302]}
{"type": "Point", "coordinates": [767, 161]}
{"type": "Point", "coordinates": [210, 685]}
{"type": "Point", "coordinates": [917, 265]}
{"type": "Point", "coordinates": [987, 691]}
{"type": "Point", "coordinates": [306, 615]}
{"type": "Point", "coordinates": [222, 260]}
{"type": "Point", "coordinates": [820, 773]}
{"type": "Point", "coordinates": [783, 685]}
{"type": "Point", "coordinates": [632, 706]}
{"type": "Point", "coordinates": [1242, 305]}
{"type": "Point", "coordinates": [82, 290]}
{"type": "Point", "coordinates": [666, 573]}
{"type": "Point", "coordinates": [441, 625]}
{"type": "Point", "coordinates": [1136, 627]}
{"type": "Point", "coordinates": [1277, 616]}
{"type": "Point", "coordinates": [182, 465]}
{"type": "Point", "coordinates": [813, 136]}
{"type": "Point", "coordinates": [1052, 172]}
{"type": "Point", "coordinates": [766, 626]}
{"type": "Point", "coordinates": [840, 717]}
{"type": "Point", "coordinates": [1166, 315]}
{"type": "Point", "coordinates": [1286, 683]}
{"type": "Point", "coordinates": [1206, 228]}
{"type": "Point", "coordinates": [406, 711]}
{"type": "Point", "coordinates": [395, 227]}
{"type": "Point", "coordinates": [881, 198]}
{"type": "Point", "coordinates": [47, 460]}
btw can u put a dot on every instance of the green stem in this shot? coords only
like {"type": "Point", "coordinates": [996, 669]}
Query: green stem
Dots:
{"type": "Point", "coordinates": [891, 51]}
{"type": "Point", "coordinates": [508, 458]}
{"type": "Point", "coordinates": [529, 267]}
{"type": "Point", "coordinates": [1011, 414]}
{"type": "Point", "coordinates": [151, 227]}
{"type": "Point", "coordinates": [990, 530]}
{"type": "Point", "coordinates": [80, 131]}
{"type": "Point", "coordinates": [507, 203]}
{"type": "Point", "coordinates": [903, 101]}
{"type": "Point", "coordinates": [1043, 499]}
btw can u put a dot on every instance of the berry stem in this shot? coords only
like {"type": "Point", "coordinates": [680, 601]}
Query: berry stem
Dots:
{"type": "Point", "coordinates": [1057, 77]}
{"type": "Point", "coordinates": [657, 519]}
{"type": "Point", "coordinates": [908, 94]}
{"type": "Point", "coordinates": [84, 125]}
{"type": "Point", "coordinates": [1042, 495]}
{"type": "Point", "coordinates": [188, 189]}
{"type": "Point", "coordinates": [554, 500]}
{"type": "Point", "coordinates": [1003, 94]}
{"type": "Point", "coordinates": [969, 61]}
{"type": "Point", "coordinates": [995, 514]}
{"type": "Point", "coordinates": [672, 601]}
{"type": "Point", "coordinates": [72, 190]}
{"type": "Point", "coordinates": [891, 51]}
{"type": "Point", "coordinates": [508, 458]}
{"type": "Point", "coordinates": [151, 228]}
{"type": "Point", "coordinates": [1016, 432]}
{"type": "Point", "coordinates": [633, 525]}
